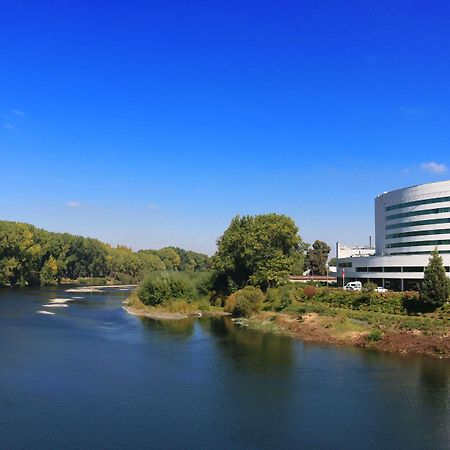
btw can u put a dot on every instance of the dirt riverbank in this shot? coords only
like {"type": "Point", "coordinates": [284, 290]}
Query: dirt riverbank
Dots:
{"type": "Point", "coordinates": [333, 330]}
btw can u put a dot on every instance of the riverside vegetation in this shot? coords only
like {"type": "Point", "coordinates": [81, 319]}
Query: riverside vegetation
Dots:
{"type": "Point", "coordinates": [30, 256]}
{"type": "Point", "coordinates": [248, 277]}
{"type": "Point", "coordinates": [249, 280]}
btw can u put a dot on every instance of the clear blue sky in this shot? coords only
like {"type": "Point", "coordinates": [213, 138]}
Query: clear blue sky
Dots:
{"type": "Point", "coordinates": [153, 123]}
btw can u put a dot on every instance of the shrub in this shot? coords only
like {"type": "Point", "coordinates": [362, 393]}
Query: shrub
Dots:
{"type": "Point", "coordinates": [247, 301]}
{"type": "Point", "coordinates": [158, 288]}
{"type": "Point", "coordinates": [410, 301]}
{"type": "Point", "coordinates": [273, 300]}
{"type": "Point", "coordinates": [310, 291]}
{"type": "Point", "coordinates": [282, 297]}
{"type": "Point", "coordinates": [369, 287]}
{"type": "Point", "coordinates": [375, 335]}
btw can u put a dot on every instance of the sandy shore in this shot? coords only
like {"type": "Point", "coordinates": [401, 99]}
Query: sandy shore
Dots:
{"type": "Point", "coordinates": [85, 289]}
{"type": "Point", "coordinates": [167, 315]}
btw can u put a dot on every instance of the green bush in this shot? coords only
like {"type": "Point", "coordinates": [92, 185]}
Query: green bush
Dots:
{"type": "Point", "coordinates": [247, 301]}
{"type": "Point", "coordinates": [375, 335]}
{"type": "Point", "coordinates": [369, 287]}
{"type": "Point", "coordinates": [158, 288]}
{"type": "Point", "coordinates": [282, 297]}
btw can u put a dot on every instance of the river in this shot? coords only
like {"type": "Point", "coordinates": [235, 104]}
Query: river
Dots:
{"type": "Point", "coordinates": [93, 376]}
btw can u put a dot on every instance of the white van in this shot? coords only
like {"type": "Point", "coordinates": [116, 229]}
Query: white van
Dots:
{"type": "Point", "coordinates": [353, 286]}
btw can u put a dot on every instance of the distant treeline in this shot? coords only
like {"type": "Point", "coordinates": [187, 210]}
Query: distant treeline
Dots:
{"type": "Point", "coordinates": [32, 256]}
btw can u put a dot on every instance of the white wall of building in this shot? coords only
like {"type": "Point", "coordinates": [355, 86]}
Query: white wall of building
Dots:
{"type": "Point", "coordinates": [403, 218]}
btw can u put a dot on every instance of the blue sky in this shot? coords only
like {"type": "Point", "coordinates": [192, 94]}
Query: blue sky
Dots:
{"type": "Point", "coordinates": [154, 123]}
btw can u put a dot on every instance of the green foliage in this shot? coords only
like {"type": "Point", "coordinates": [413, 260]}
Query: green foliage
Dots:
{"type": "Point", "coordinates": [435, 288]}
{"type": "Point", "coordinates": [257, 250]}
{"type": "Point", "coordinates": [332, 261]}
{"type": "Point", "coordinates": [159, 288]}
{"type": "Point", "coordinates": [282, 297]}
{"type": "Point", "coordinates": [248, 301]}
{"type": "Point", "coordinates": [31, 256]}
{"type": "Point", "coordinates": [317, 257]}
{"type": "Point", "coordinates": [49, 273]}
{"type": "Point", "coordinates": [369, 287]}
{"type": "Point", "coordinates": [375, 335]}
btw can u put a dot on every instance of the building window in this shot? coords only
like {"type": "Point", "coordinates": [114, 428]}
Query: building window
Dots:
{"type": "Point", "coordinates": [419, 243]}
{"type": "Point", "coordinates": [418, 233]}
{"type": "Point", "coordinates": [345, 264]}
{"type": "Point", "coordinates": [426, 201]}
{"type": "Point", "coordinates": [412, 269]}
{"type": "Point", "coordinates": [375, 269]}
{"type": "Point", "coordinates": [441, 252]}
{"type": "Point", "coordinates": [424, 212]}
{"type": "Point", "coordinates": [392, 269]}
{"type": "Point", "coordinates": [417, 223]}
{"type": "Point", "coordinates": [361, 269]}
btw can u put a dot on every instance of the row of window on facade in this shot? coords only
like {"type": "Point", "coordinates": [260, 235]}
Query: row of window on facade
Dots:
{"type": "Point", "coordinates": [394, 269]}
{"type": "Point", "coordinates": [426, 201]}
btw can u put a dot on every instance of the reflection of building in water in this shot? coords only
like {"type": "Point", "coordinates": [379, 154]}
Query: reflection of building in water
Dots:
{"type": "Point", "coordinates": [409, 224]}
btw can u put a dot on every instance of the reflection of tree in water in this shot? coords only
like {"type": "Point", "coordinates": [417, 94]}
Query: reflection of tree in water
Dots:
{"type": "Point", "coordinates": [434, 383]}
{"type": "Point", "coordinates": [255, 350]}
{"type": "Point", "coordinates": [434, 374]}
{"type": "Point", "coordinates": [180, 327]}
{"type": "Point", "coordinates": [257, 372]}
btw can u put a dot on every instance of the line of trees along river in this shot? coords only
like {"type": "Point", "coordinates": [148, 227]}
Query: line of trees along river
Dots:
{"type": "Point", "coordinates": [32, 256]}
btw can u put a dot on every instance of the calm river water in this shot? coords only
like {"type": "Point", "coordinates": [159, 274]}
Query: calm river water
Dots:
{"type": "Point", "coordinates": [92, 376]}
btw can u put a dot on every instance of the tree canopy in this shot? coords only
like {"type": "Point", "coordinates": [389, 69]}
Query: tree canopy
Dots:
{"type": "Point", "coordinates": [317, 257]}
{"type": "Point", "coordinates": [257, 250]}
{"type": "Point", "coordinates": [32, 256]}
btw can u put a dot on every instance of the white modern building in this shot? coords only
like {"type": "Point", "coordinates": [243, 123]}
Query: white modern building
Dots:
{"type": "Point", "coordinates": [409, 224]}
{"type": "Point", "coordinates": [345, 251]}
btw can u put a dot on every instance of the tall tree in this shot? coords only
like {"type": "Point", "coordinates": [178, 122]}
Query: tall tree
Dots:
{"type": "Point", "coordinates": [435, 288]}
{"type": "Point", "coordinates": [317, 257]}
{"type": "Point", "coordinates": [257, 250]}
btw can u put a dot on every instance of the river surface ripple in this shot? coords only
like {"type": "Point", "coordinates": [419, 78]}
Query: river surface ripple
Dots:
{"type": "Point", "coordinates": [92, 376]}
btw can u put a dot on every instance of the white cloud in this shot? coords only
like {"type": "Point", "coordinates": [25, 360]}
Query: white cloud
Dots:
{"type": "Point", "coordinates": [73, 204]}
{"type": "Point", "coordinates": [152, 206]}
{"type": "Point", "coordinates": [434, 167]}
{"type": "Point", "coordinates": [18, 112]}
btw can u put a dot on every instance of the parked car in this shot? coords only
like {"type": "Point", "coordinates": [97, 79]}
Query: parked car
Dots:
{"type": "Point", "coordinates": [353, 286]}
{"type": "Point", "coordinates": [380, 289]}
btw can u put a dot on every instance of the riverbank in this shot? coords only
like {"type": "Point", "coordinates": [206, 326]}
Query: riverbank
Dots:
{"type": "Point", "coordinates": [173, 311]}
{"type": "Point", "coordinates": [357, 322]}
{"type": "Point", "coordinates": [344, 331]}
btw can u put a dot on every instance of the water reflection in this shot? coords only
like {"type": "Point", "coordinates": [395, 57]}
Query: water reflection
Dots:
{"type": "Point", "coordinates": [252, 349]}
{"type": "Point", "coordinates": [181, 328]}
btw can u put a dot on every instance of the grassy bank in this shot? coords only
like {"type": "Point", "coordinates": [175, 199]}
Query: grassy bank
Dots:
{"type": "Point", "coordinates": [390, 333]}
{"type": "Point", "coordinates": [388, 322]}
{"type": "Point", "coordinates": [171, 309]}
{"type": "Point", "coordinates": [393, 321]}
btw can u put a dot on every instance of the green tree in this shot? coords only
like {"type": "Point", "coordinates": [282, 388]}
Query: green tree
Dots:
{"type": "Point", "coordinates": [435, 287]}
{"type": "Point", "coordinates": [317, 257]}
{"type": "Point", "coordinates": [49, 273]}
{"type": "Point", "coordinates": [170, 258]}
{"type": "Point", "coordinates": [258, 250]}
